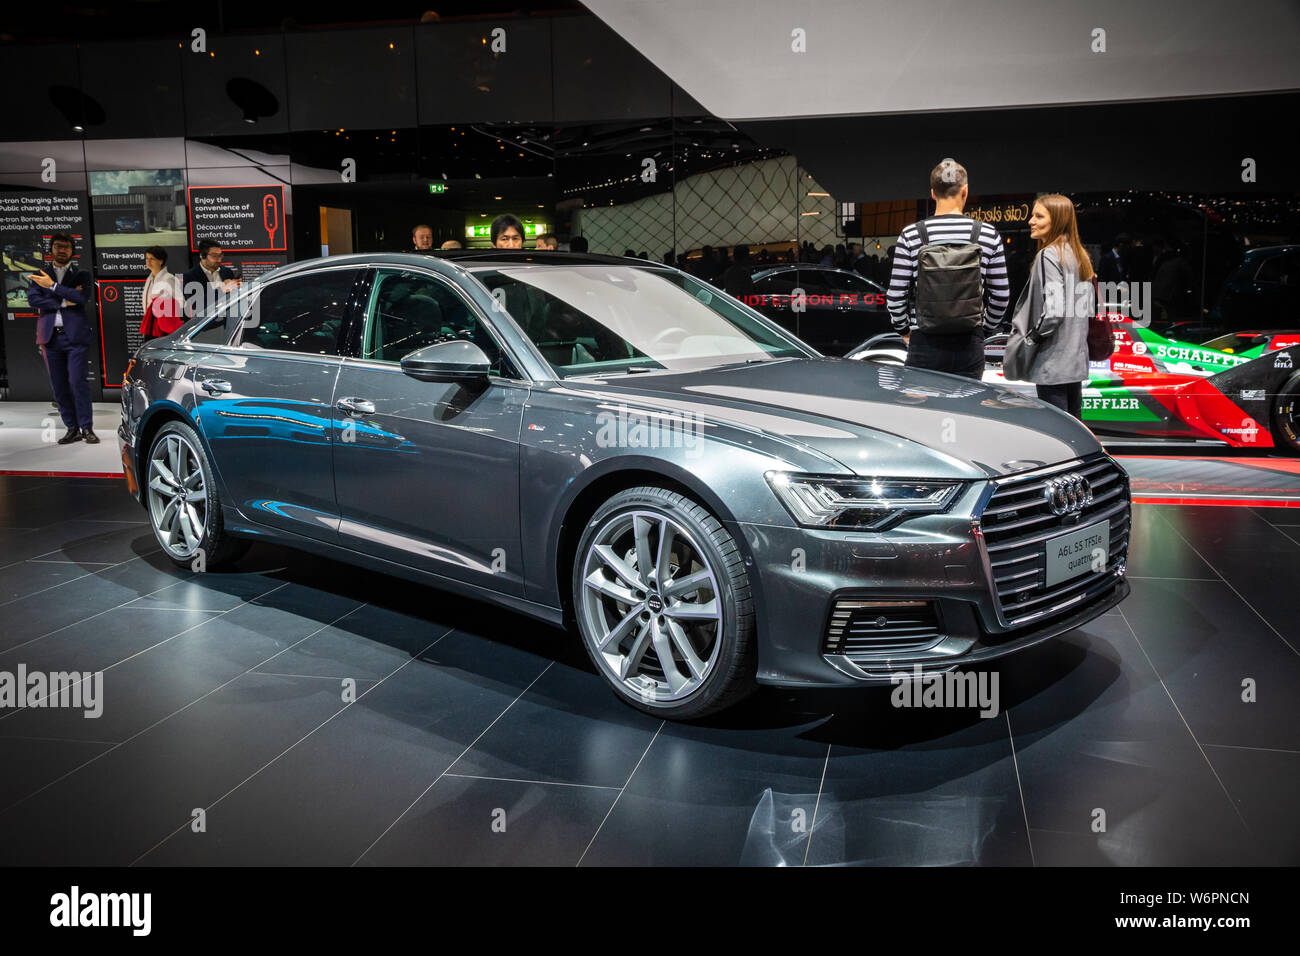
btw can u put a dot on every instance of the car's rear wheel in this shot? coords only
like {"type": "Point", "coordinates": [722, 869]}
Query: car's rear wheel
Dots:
{"type": "Point", "coordinates": [662, 600]}
{"type": "Point", "coordinates": [1286, 416]}
{"type": "Point", "coordinates": [181, 497]}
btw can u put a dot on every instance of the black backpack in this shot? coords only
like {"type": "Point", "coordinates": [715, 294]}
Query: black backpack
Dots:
{"type": "Point", "coordinates": [948, 294]}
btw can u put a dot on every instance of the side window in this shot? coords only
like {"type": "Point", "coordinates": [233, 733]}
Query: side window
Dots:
{"type": "Point", "coordinates": [779, 283]}
{"type": "Point", "coordinates": [216, 330]}
{"type": "Point", "coordinates": [411, 310]}
{"type": "Point", "coordinates": [302, 314]}
{"type": "Point", "coordinates": [814, 282]}
{"type": "Point", "coordinates": [1290, 267]}
{"type": "Point", "coordinates": [849, 282]}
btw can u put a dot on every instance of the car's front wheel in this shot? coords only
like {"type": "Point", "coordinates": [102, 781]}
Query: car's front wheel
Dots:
{"type": "Point", "coordinates": [662, 600]}
{"type": "Point", "coordinates": [181, 497]}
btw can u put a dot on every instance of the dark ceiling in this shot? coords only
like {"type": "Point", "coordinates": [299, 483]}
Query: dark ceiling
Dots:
{"type": "Point", "coordinates": [143, 19]}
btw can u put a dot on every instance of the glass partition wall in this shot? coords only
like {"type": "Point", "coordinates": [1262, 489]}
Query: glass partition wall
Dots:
{"type": "Point", "coordinates": [288, 146]}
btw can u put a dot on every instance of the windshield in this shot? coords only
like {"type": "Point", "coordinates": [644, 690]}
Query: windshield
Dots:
{"type": "Point", "coordinates": [595, 319]}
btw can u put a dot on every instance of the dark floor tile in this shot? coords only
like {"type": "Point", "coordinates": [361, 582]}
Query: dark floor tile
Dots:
{"type": "Point", "coordinates": [63, 500]}
{"type": "Point", "coordinates": [1268, 587]}
{"type": "Point", "coordinates": [93, 542]}
{"type": "Point", "coordinates": [83, 598]}
{"type": "Point", "coordinates": [1156, 549]}
{"type": "Point", "coordinates": [11, 485]}
{"type": "Point", "coordinates": [35, 762]}
{"type": "Point", "coordinates": [567, 728]}
{"type": "Point", "coordinates": [95, 644]}
{"type": "Point", "coordinates": [212, 591]}
{"type": "Point", "coordinates": [1288, 518]}
{"type": "Point", "coordinates": [208, 651]}
{"type": "Point", "coordinates": [720, 794]}
{"type": "Point", "coordinates": [394, 742]}
{"type": "Point", "coordinates": [1263, 783]}
{"type": "Point", "coordinates": [1210, 529]}
{"type": "Point", "coordinates": [1204, 642]}
{"type": "Point", "coordinates": [29, 577]}
{"type": "Point", "coordinates": [369, 643]}
{"type": "Point", "coordinates": [1094, 729]}
{"type": "Point", "coordinates": [121, 805]}
{"type": "Point", "coordinates": [472, 822]}
{"type": "Point", "coordinates": [931, 787]}
{"type": "Point", "coordinates": [1075, 848]}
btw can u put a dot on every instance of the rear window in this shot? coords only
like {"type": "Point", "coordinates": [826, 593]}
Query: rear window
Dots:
{"type": "Point", "coordinates": [304, 313]}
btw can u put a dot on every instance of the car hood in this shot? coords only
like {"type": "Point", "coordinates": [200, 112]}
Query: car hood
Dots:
{"type": "Point", "coordinates": [868, 416]}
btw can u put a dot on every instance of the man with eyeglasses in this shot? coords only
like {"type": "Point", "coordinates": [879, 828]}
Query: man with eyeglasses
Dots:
{"type": "Point", "coordinates": [209, 279]}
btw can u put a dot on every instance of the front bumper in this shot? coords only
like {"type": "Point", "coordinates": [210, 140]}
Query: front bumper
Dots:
{"type": "Point", "coordinates": [805, 575]}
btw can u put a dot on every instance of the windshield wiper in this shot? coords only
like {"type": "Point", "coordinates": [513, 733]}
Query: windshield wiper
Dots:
{"type": "Point", "coordinates": [640, 368]}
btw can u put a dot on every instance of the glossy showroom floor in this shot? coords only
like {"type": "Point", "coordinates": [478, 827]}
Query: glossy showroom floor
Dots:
{"type": "Point", "coordinates": [223, 692]}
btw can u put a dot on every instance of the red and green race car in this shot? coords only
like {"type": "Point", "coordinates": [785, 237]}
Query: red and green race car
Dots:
{"type": "Point", "coordinates": [1241, 389]}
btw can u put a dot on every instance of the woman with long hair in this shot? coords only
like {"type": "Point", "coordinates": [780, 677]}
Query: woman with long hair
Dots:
{"type": "Point", "coordinates": [1051, 318]}
{"type": "Point", "coordinates": [164, 310]}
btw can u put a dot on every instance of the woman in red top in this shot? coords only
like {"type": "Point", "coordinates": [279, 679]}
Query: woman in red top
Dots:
{"type": "Point", "coordinates": [164, 311]}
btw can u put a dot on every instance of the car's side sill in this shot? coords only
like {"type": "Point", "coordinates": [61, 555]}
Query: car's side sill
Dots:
{"type": "Point", "coordinates": [542, 612]}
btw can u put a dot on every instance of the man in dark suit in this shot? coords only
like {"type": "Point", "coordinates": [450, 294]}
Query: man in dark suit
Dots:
{"type": "Point", "coordinates": [1111, 267]}
{"type": "Point", "coordinates": [59, 292]}
{"type": "Point", "coordinates": [203, 285]}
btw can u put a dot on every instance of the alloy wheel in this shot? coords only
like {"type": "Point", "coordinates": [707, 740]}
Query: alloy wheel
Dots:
{"type": "Point", "coordinates": [178, 496]}
{"type": "Point", "coordinates": [651, 606]}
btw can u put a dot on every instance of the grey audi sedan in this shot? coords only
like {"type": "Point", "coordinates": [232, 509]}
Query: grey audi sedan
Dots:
{"type": "Point", "coordinates": [613, 446]}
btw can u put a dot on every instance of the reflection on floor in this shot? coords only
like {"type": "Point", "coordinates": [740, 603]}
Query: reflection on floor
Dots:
{"type": "Point", "coordinates": [1251, 481]}
{"type": "Point", "coordinates": [297, 711]}
{"type": "Point", "coordinates": [29, 433]}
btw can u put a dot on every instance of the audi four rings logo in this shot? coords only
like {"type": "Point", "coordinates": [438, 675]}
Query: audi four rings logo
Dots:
{"type": "Point", "coordinates": [1068, 494]}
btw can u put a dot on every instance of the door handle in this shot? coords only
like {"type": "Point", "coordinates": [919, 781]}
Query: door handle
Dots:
{"type": "Point", "coordinates": [214, 386]}
{"type": "Point", "coordinates": [355, 406]}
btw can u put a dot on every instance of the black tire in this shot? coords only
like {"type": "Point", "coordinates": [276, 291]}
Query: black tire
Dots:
{"type": "Point", "coordinates": [215, 548]}
{"type": "Point", "coordinates": [731, 673]}
{"type": "Point", "coordinates": [1286, 416]}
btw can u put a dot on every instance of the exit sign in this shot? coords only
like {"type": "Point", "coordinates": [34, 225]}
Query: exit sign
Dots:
{"type": "Point", "coordinates": [437, 187]}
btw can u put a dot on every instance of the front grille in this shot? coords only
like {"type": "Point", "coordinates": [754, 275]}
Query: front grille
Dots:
{"type": "Point", "coordinates": [863, 629]}
{"type": "Point", "coordinates": [1018, 521]}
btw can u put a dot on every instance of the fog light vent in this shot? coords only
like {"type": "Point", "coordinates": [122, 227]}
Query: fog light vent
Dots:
{"type": "Point", "coordinates": [865, 629]}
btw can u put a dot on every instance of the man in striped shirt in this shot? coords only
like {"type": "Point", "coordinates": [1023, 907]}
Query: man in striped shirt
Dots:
{"type": "Point", "coordinates": [960, 353]}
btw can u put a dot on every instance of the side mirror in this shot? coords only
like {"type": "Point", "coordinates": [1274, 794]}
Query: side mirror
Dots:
{"type": "Point", "coordinates": [447, 362]}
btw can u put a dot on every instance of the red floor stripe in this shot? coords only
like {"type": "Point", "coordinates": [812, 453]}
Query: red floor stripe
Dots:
{"type": "Point", "coordinates": [1221, 502]}
{"type": "Point", "coordinates": [1274, 464]}
{"type": "Point", "coordinates": [61, 474]}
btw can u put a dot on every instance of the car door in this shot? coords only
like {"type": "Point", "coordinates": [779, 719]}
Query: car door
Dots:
{"type": "Point", "coordinates": [823, 314]}
{"type": "Point", "coordinates": [1277, 286]}
{"type": "Point", "coordinates": [263, 402]}
{"type": "Point", "coordinates": [862, 305]}
{"type": "Point", "coordinates": [427, 473]}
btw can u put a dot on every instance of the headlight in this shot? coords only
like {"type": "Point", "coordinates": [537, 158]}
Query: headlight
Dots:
{"type": "Point", "coordinates": [870, 503]}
